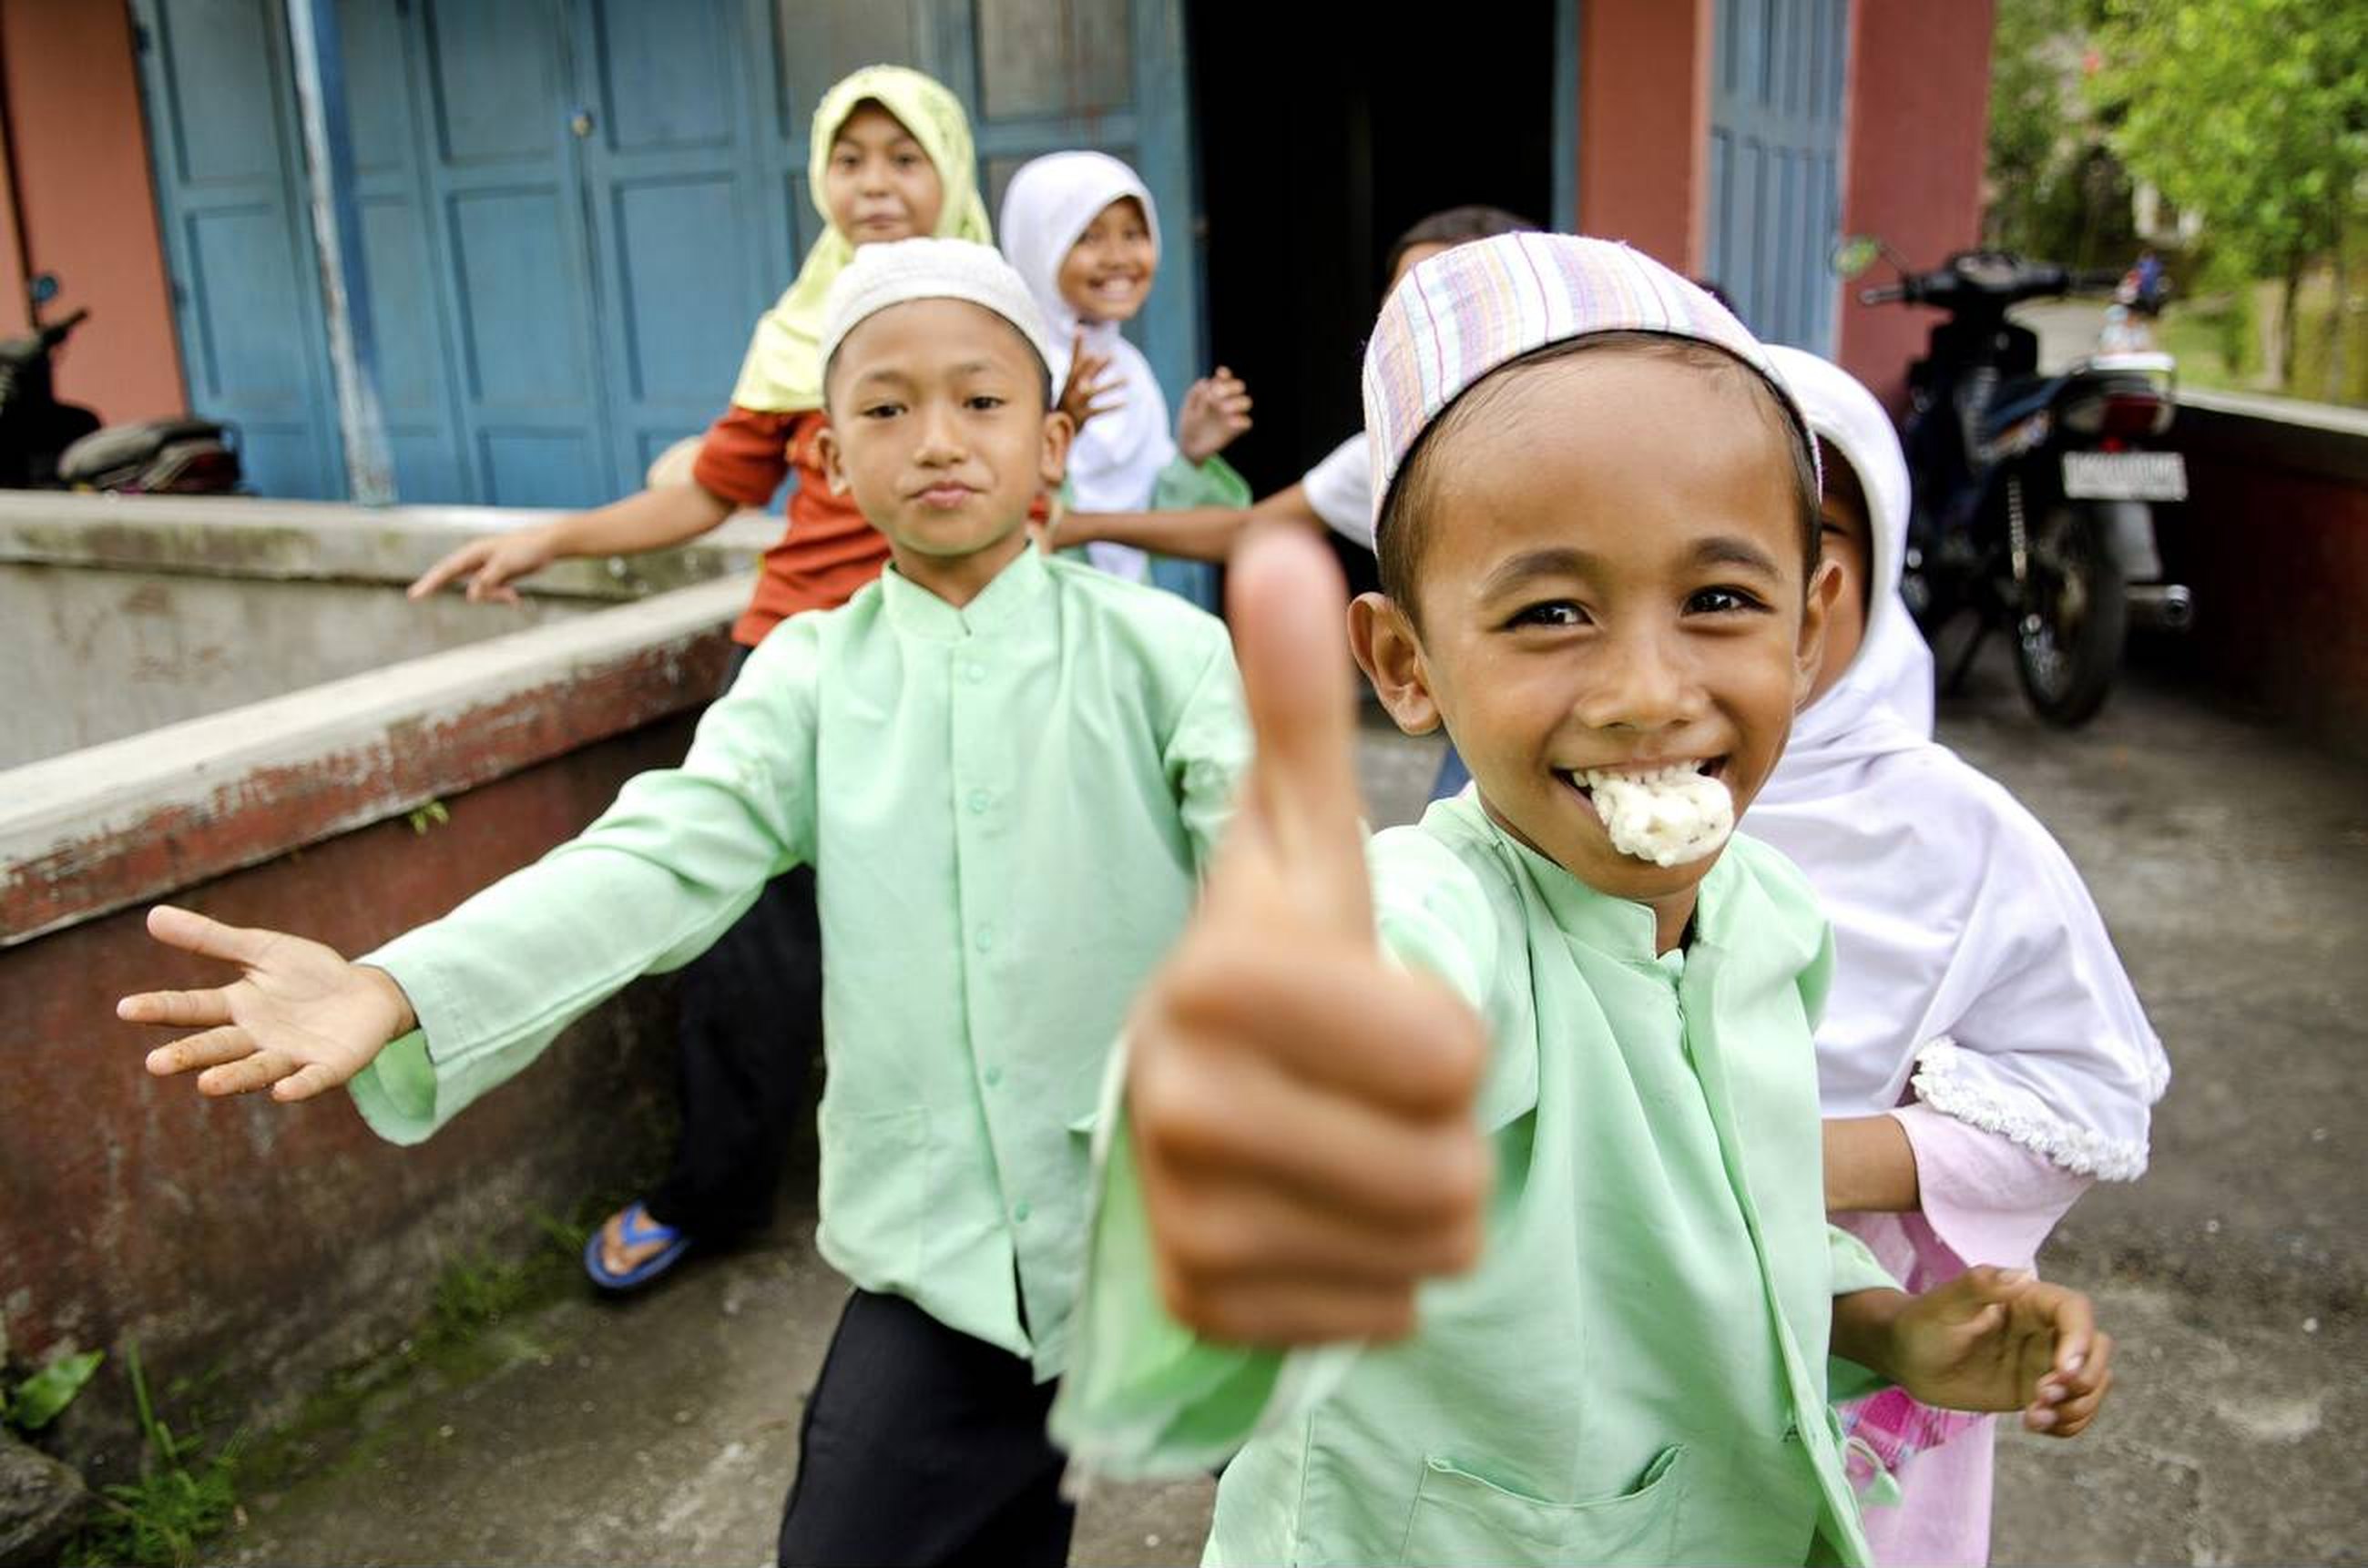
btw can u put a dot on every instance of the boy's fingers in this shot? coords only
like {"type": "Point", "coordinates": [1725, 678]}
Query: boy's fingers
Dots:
{"type": "Point", "coordinates": [211, 1048]}
{"type": "Point", "coordinates": [176, 1009]}
{"type": "Point", "coordinates": [2074, 1322]}
{"type": "Point", "coordinates": [247, 1075]}
{"type": "Point", "coordinates": [1363, 1163]}
{"type": "Point", "coordinates": [1287, 1313]}
{"type": "Point", "coordinates": [1289, 609]}
{"type": "Point", "coordinates": [2072, 1418]}
{"type": "Point", "coordinates": [207, 937]}
{"type": "Point", "coordinates": [1974, 1293]}
{"type": "Point", "coordinates": [306, 1082]}
{"type": "Point", "coordinates": [1327, 1016]}
{"type": "Point", "coordinates": [2095, 1367]}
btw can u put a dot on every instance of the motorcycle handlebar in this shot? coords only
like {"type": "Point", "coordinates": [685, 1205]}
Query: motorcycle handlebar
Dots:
{"type": "Point", "coordinates": [1884, 294]}
{"type": "Point", "coordinates": [57, 331]}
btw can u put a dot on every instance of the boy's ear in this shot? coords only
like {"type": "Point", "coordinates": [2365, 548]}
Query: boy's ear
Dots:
{"type": "Point", "coordinates": [1809, 652]}
{"type": "Point", "coordinates": [833, 462]}
{"type": "Point", "coordinates": [1059, 431]}
{"type": "Point", "coordinates": [1390, 652]}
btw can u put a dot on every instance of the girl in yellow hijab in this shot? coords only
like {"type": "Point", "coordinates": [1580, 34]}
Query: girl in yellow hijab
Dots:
{"type": "Point", "coordinates": [891, 159]}
{"type": "Point", "coordinates": [781, 371]}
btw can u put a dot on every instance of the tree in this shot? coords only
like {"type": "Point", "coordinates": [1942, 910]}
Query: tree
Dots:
{"type": "Point", "coordinates": [2255, 113]}
{"type": "Point", "coordinates": [2056, 189]}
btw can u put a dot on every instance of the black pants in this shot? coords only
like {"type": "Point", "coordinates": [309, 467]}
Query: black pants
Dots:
{"type": "Point", "coordinates": [921, 1444]}
{"type": "Point", "coordinates": [749, 1020]}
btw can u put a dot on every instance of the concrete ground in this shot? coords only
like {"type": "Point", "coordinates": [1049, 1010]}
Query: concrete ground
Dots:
{"type": "Point", "coordinates": [2230, 863]}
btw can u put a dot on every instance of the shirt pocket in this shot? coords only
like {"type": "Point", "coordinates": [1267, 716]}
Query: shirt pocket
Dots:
{"type": "Point", "coordinates": [874, 1184]}
{"type": "Point", "coordinates": [1460, 1518]}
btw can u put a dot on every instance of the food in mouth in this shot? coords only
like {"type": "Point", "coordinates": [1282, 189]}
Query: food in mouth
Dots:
{"type": "Point", "coordinates": [1668, 815]}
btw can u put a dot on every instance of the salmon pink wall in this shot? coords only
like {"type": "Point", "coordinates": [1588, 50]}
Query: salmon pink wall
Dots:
{"type": "Point", "coordinates": [1644, 124]}
{"type": "Point", "coordinates": [79, 202]}
{"type": "Point", "coordinates": [1916, 145]}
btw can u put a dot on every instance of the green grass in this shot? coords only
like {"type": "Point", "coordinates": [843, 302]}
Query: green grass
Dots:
{"type": "Point", "coordinates": [188, 1490]}
{"type": "Point", "coordinates": [2217, 338]}
{"type": "Point", "coordinates": [184, 1496]}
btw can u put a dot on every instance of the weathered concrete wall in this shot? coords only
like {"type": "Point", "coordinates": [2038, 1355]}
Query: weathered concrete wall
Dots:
{"type": "Point", "coordinates": [2273, 540]}
{"type": "Point", "coordinates": [119, 614]}
{"type": "Point", "coordinates": [267, 1243]}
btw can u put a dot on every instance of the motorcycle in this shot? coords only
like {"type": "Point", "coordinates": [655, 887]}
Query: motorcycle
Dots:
{"type": "Point", "coordinates": [49, 445]}
{"type": "Point", "coordinates": [2035, 493]}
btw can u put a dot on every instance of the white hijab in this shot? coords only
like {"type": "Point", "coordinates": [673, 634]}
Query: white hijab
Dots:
{"type": "Point", "coordinates": [1970, 958]}
{"type": "Point", "coordinates": [1116, 459]}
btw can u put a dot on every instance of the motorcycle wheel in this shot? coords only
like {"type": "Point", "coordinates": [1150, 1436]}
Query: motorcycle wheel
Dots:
{"type": "Point", "coordinates": [2074, 614]}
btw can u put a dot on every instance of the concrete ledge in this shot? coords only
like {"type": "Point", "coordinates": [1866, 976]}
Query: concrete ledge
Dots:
{"type": "Point", "coordinates": [2314, 439]}
{"type": "Point", "coordinates": [107, 826]}
{"type": "Point", "coordinates": [239, 535]}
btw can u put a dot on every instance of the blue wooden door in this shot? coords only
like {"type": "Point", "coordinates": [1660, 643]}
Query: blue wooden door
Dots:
{"type": "Point", "coordinates": [494, 89]}
{"type": "Point", "coordinates": [681, 262]}
{"type": "Point", "coordinates": [573, 211]}
{"type": "Point", "coordinates": [238, 237]}
{"type": "Point", "coordinates": [1775, 151]}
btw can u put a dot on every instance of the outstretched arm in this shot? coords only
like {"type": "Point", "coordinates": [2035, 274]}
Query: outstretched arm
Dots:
{"type": "Point", "coordinates": [653, 519]}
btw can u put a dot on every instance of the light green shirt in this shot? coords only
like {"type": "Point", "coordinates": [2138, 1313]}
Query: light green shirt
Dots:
{"type": "Point", "coordinates": [1007, 807]}
{"type": "Point", "coordinates": [1637, 1372]}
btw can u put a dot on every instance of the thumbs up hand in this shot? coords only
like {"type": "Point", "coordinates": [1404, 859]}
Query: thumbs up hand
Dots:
{"type": "Point", "coordinates": [1302, 1108]}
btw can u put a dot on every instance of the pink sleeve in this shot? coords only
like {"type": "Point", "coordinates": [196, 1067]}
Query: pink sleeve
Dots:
{"type": "Point", "coordinates": [1983, 1198]}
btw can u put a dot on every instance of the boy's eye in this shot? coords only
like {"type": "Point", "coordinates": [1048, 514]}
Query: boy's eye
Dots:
{"type": "Point", "coordinates": [1724, 601]}
{"type": "Point", "coordinates": [1554, 612]}
{"type": "Point", "coordinates": [985, 401]}
{"type": "Point", "coordinates": [881, 410]}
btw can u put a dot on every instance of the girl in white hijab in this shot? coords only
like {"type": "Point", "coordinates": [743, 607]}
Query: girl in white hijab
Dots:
{"type": "Point", "coordinates": [1982, 1058]}
{"type": "Point", "coordinates": [1081, 228]}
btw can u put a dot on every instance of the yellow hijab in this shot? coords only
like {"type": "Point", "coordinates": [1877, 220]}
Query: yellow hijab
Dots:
{"type": "Point", "coordinates": [783, 371]}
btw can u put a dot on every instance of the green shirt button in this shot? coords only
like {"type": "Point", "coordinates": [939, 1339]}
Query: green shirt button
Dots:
{"type": "Point", "coordinates": [979, 800]}
{"type": "Point", "coordinates": [1019, 1212]}
{"type": "Point", "coordinates": [983, 941]}
{"type": "Point", "coordinates": [994, 1076]}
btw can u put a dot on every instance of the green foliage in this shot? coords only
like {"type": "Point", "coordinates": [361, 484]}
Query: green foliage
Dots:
{"type": "Point", "coordinates": [182, 1499]}
{"type": "Point", "coordinates": [2253, 112]}
{"type": "Point", "coordinates": [432, 814]}
{"type": "Point", "coordinates": [35, 1402]}
{"type": "Point", "coordinates": [2058, 191]}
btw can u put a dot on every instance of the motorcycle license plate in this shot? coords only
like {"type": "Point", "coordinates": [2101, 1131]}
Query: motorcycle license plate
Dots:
{"type": "Point", "coordinates": [2125, 476]}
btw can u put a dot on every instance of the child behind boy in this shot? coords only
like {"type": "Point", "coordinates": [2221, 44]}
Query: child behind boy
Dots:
{"type": "Point", "coordinates": [1596, 517]}
{"type": "Point", "coordinates": [1973, 975]}
{"type": "Point", "coordinates": [1007, 772]}
{"type": "Point", "coordinates": [1082, 229]}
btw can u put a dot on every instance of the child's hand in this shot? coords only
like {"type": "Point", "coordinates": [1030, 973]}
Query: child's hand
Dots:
{"type": "Point", "coordinates": [1999, 1339]}
{"type": "Point", "coordinates": [490, 565]}
{"type": "Point", "coordinates": [1217, 409]}
{"type": "Point", "coordinates": [299, 1021]}
{"type": "Point", "coordinates": [1090, 388]}
{"type": "Point", "coordinates": [1302, 1108]}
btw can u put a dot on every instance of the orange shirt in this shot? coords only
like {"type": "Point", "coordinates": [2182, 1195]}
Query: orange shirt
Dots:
{"type": "Point", "coordinates": [829, 551]}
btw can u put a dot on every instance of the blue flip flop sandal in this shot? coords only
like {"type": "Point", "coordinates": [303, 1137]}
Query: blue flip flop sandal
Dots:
{"type": "Point", "coordinates": [638, 1228]}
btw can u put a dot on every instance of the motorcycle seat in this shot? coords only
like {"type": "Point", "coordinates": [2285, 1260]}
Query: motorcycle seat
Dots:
{"type": "Point", "coordinates": [120, 448]}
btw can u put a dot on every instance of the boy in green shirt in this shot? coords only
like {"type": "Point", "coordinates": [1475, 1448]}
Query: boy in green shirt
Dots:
{"type": "Point", "coordinates": [1006, 771]}
{"type": "Point", "coordinates": [1597, 516]}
